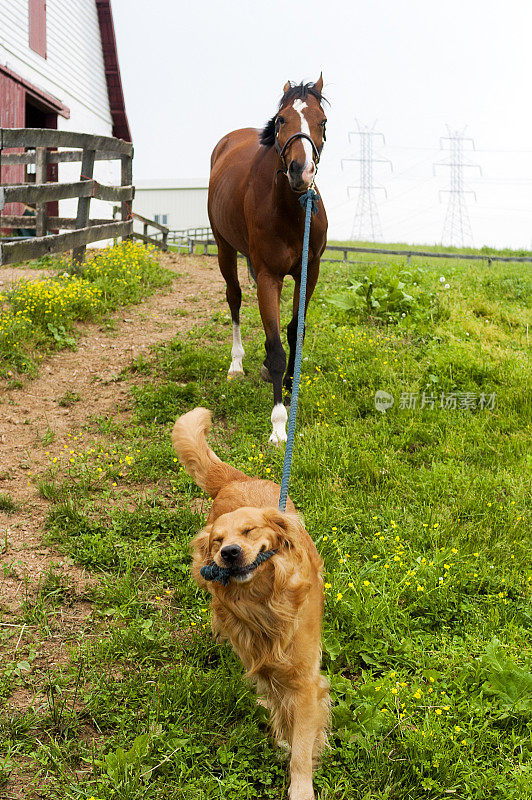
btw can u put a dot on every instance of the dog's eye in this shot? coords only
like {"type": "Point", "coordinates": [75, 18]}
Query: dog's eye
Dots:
{"type": "Point", "coordinates": [246, 531]}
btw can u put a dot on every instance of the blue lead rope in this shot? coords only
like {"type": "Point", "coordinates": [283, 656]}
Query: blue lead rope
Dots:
{"type": "Point", "coordinates": [309, 201]}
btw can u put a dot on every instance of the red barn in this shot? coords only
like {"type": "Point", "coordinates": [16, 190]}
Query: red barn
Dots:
{"type": "Point", "coordinates": [59, 69]}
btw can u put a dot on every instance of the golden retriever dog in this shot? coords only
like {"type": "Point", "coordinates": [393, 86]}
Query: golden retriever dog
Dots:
{"type": "Point", "coordinates": [265, 577]}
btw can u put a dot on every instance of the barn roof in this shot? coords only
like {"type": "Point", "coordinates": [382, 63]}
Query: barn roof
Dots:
{"type": "Point", "coordinates": [112, 71]}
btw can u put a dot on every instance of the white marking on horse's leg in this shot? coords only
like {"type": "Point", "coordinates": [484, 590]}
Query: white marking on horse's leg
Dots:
{"type": "Point", "coordinates": [279, 418]}
{"type": "Point", "coordinates": [298, 105]}
{"type": "Point", "coordinates": [237, 353]}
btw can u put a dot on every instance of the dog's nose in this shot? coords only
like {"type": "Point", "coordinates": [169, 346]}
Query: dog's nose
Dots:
{"type": "Point", "coordinates": [231, 553]}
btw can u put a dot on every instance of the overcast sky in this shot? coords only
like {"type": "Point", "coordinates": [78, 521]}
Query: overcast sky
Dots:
{"type": "Point", "coordinates": [192, 71]}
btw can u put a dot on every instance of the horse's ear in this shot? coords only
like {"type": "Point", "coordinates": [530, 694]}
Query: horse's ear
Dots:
{"type": "Point", "coordinates": [319, 84]}
{"type": "Point", "coordinates": [286, 87]}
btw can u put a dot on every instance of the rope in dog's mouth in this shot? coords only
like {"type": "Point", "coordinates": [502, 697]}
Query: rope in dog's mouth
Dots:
{"type": "Point", "coordinates": [212, 572]}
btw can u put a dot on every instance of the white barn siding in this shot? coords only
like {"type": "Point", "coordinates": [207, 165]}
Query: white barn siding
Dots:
{"type": "Point", "coordinates": [73, 72]}
{"type": "Point", "coordinates": [73, 68]}
{"type": "Point", "coordinates": [186, 206]}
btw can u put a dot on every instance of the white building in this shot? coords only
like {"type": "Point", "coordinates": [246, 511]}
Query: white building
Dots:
{"type": "Point", "coordinates": [178, 204]}
{"type": "Point", "coordinates": [59, 69]}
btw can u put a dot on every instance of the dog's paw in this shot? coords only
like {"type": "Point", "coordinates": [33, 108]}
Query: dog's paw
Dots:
{"type": "Point", "coordinates": [301, 793]}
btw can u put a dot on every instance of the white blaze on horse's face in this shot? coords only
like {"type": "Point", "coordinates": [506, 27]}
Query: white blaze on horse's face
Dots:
{"type": "Point", "coordinates": [309, 170]}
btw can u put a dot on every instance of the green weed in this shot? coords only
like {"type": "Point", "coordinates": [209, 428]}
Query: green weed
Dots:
{"type": "Point", "coordinates": [7, 503]}
{"type": "Point", "coordinates": [421, 514]}
{"type": "Point", "coordinates": [38, 315]}
{"type": "Point", "coordinates": [68, 399]}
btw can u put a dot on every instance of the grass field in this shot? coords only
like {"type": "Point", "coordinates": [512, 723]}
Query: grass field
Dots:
{"type": "Point", "coordinates": [422, 516]}
{"type": "Point", "coordinates": [38, 315]}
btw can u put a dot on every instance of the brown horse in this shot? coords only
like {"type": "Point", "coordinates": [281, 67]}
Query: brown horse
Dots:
{"type": "Point", "coordinates": [257, 179]}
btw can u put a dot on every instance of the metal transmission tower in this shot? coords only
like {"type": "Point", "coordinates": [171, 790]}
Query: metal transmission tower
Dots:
{"type": "Point", "coordinates": [366, 223]}
{"type": "Point", "coordinates": [456, 227]}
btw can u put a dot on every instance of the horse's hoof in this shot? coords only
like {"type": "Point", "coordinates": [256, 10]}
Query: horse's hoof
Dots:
{"type": "Point", "coordinates": [265, 374]}
{"type": "Point", "coordinates": [235, 373]}
{"type": "Point", "coordinates": [277, 439]}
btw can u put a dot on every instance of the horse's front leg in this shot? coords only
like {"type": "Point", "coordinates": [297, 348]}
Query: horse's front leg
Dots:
{"type": "Point", "coordinates": [269, 295]}
{"type": "Point", "coordinates": [291, 331]}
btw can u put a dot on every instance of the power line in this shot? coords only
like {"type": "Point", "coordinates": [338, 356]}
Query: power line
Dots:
{"type": "Point", "coordinates": [412, 215]}
{"type": "Point", "coordinates": [457, 227]}
{"type": "Point", "coordinates": [477, 150]}
{"type": "Point", "coordinates": [418, 182]}
{"type": "Point", "coordinates": [366, 222]}
{"type": "Point", "coordinates": [506, 181]}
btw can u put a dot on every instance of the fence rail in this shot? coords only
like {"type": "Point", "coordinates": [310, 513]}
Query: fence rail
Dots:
{"type": "Point", "coordinates": [47, 192]}
{"type": "Point", "coordinates": [423, 254]}
{"type": "Point", "coordinates": [46, 137]}
{"type": "Point", "coordinates": [160, 239]}
{"type": "Point", "coordinates": [193, 242]}
{"type": "Point", "coordinates": [65, 156]}
{"type": "Point", "coordinates": [181, 238]}
{"type": "Point", "coordinates": [40, 148]}
{"type": "Point", "coordinates": [26, 249]}
{"type": "Point", "coordinates": [61, 223]}
{"type": "Point", "coordinates": [199, 234]}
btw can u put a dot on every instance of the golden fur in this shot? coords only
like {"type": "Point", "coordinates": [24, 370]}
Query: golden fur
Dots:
{"type": "Point", "coordinates": [271, 617]}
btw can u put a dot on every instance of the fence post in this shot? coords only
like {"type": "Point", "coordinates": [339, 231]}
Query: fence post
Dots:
{"type": "Point", "coordinates": [165, 241]}
{"type": "Point", "coordinates": [190, 245]}
{"type": "Point", "coordinates": [126, 180]}
{"type": "Point", "coordinates": [40, 177]}
{"type": "Point", "coordinates": [1, 208]}
{"type": "Point", "coordinates": [82, 218]}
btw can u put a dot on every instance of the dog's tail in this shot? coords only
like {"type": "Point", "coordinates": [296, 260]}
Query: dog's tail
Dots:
{"type": "Point", "coordinates": [201, 463]}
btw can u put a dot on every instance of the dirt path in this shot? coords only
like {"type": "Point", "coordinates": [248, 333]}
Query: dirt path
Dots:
{"type": "Point", "coordinates": [30, 415]}
{"type": "Point", "coordinates": [34, 428]}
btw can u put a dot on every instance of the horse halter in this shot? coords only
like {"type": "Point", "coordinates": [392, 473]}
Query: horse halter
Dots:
{"type": "Point", "coordinates": [299, 135]}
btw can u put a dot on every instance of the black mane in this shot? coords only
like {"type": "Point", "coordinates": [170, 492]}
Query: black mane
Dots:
{"type": "Point", "coordinates": [296, 90]}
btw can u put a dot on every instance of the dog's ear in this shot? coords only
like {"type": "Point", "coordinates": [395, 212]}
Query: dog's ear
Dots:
{"type": "Point", "coordinates": [286, 526]}
{"type": "Point", "coordinates": [200, 545]}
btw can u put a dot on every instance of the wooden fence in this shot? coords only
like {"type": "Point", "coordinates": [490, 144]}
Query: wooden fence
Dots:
{"type": "Point", "coordinates": [159, 239]}
{"type": "Point", "coordinates": [185, 239]}
{"type": "Point", "coordinates": [86, 148]}
{"type": "Point", "coordinates": [208, 242]}
{"type": "Point", "coordinates": [421, 253]}
{"type": "Point", "coordinates": [185, 234]}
